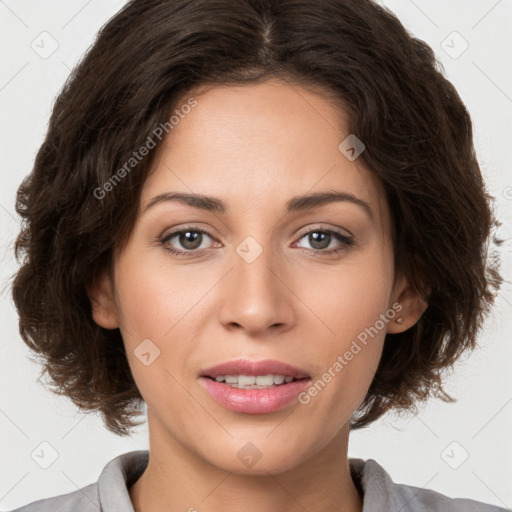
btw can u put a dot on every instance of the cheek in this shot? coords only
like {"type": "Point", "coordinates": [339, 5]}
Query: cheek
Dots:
{"type": "Point", "coordinates": [154, 297]}
{"type": "Point", "coordinates": [351, 296]}
{"type": "Point", "coordinates": [351, 303]}
{"type": "Point", "coordinates": [160, 311]}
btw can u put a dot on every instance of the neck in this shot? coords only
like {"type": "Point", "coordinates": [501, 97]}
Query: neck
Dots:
{"type": "Point", "coordinates": [178, 478]}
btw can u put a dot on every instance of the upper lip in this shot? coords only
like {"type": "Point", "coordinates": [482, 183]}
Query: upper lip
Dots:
{"type": "Point", "coordinates": [247, 367]}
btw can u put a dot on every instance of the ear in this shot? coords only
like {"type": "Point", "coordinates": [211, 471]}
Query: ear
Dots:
{"type": "Point", "coordinates": [104, 309]}
{"type": "Point", "coordinates": [412, 307]}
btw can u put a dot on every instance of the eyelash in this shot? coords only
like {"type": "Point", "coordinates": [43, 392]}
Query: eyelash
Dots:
{"type": "Point", "coordinates": [345, 240]}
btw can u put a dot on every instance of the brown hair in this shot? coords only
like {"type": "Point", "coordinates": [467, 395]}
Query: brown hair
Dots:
{"type": "Point", "coordinates": [418, 138]}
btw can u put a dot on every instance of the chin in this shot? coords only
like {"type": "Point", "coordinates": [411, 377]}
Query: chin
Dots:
{"type": "Point", "coordinates": [257, 457]}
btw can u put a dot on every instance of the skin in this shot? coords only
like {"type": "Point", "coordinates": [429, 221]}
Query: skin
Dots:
{"type": "Point", "coordinates": [254, 146]}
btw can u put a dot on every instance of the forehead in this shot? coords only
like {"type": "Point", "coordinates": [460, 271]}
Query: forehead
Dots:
{"type": "Point", "coordinates": [257, 145]}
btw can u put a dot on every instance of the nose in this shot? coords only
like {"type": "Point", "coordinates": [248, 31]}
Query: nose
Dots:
{"type": "Point", "coordinates": [256, 295]}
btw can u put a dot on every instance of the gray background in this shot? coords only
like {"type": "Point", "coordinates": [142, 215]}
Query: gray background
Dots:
{"type": "Point", "coordinates": [427, 450]}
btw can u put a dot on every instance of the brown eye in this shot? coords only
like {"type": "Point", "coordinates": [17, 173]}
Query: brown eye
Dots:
{"type": "Point", "coordinates": [188, 240]}
{"type": "Point", "coordinates": [320, 239]}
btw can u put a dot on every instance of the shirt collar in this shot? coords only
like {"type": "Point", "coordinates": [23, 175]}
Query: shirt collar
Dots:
{"type": "Point", "coordinates": [120, 473]}
{"type": "Point", "coordinates": [116, 478]}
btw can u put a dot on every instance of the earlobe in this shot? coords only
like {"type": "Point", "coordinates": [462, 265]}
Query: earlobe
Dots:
{"type": "Point", "coordinates": [413, 307]}
{"type": "Point", "coordinates": [104, 309]}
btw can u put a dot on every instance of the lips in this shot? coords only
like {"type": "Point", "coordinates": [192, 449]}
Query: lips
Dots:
{"type": "Point", "coordinates": [259, 398]}
{"type": "Point", "coordinates": [255, 401]}
{"type": "Point", "coordinates": [247, 367]}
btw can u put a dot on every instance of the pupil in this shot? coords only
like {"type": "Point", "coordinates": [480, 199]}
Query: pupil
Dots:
{"type": "Point", "coordinates": [187, 243]}
{"type": "Point", "coordinates": [189, 240]}
{"type": "Point", "coordinates": [314, 240]}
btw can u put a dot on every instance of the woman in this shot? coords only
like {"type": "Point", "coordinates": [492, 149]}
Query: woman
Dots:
{"type": "Point", "coordinates": [253, 217]}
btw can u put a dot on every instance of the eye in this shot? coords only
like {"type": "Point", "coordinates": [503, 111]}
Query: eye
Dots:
{"type": "Point", "coordinates": [191, 239]}
{"type": "Point", "coordinates": [320, 239]}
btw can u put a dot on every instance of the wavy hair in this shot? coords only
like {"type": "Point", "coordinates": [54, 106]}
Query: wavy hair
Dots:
{"type": "Point", "coordinates": [145, 59]}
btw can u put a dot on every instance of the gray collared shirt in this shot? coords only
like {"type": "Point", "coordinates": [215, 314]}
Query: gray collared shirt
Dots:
{"type": "Point", "coordinates": [381, 494]}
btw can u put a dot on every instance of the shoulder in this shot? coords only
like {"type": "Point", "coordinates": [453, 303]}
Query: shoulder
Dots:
{"type": "Point", "coordinates": [110, 493]}
{"type": "Point", "coordinates": [382, 494]}
{"type": "Point", "coordinates": [423, 500]}
{"type": "Point", "coordinates": [85, 499]}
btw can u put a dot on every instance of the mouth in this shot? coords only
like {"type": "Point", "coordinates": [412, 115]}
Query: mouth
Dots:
{"type": "Point", "coordinates": [250, 387]}
{"type": "Point", "coordinates": [254, 387]}
{"type": "Point", "coordinates": [246, 374]}
{"type": "Point", "coordinates": [254, 381]}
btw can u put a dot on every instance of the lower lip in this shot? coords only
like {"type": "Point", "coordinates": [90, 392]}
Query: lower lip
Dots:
{"type": "Point", "coordinates": [254, 401]}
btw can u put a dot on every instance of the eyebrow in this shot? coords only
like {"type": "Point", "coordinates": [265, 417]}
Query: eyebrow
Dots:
{"type": "Point", "coordinates": [298, 203]}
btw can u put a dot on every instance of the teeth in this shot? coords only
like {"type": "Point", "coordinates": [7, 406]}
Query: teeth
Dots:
{"type": "Point", "coordinates": [256, 382]}
{"type": "Point", "coordinates": [250, 380]}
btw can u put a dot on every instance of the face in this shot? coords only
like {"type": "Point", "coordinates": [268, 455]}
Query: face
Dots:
{"type": "Point", "coordinates": [256, 279]}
